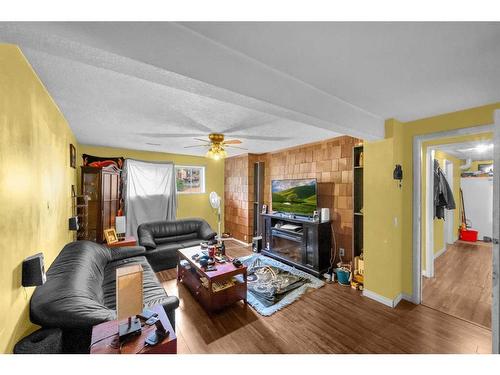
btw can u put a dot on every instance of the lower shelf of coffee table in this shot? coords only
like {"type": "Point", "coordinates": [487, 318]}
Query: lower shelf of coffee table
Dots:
{"type": "Point", "coordinates": [209, 299]}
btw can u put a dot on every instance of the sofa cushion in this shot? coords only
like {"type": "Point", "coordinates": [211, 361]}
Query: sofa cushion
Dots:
{"type": "Point", "coordinates": [72, 295]}
{"type": "Point", "coordinates": [176, 238]}
{"type": "Point", "coordinates": [163, 257]}
{"type": "Point", "coordinates": [118, 253]}
{"type": "Point", "coordinates": [190, 243]}
{"type": "Point", "coordinates": [167, 247]}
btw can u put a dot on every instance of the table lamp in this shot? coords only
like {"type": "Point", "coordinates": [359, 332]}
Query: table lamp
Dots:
{"type": "Point", "coordinates": [129, 299]}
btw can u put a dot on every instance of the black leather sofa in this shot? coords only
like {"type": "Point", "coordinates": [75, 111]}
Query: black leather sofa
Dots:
{"type": "Point", "coordinates": [162, 239]}
{"type": "Point", "coordinates": [80, 291]}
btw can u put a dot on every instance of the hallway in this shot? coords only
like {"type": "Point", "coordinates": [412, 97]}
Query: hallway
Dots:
{"type": "Point", "coordinates": [462, 283]}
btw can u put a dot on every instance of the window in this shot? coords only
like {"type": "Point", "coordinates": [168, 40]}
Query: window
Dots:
{"type": "Point", "coordinates": [189, 179]}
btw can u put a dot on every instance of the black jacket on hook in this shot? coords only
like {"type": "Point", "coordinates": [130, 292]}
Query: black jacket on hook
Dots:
{"type": "Point", "coordinates": [443, 196]}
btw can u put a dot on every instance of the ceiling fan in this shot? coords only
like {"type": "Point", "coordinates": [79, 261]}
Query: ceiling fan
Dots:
{"type": "Point", "coordinates": [217, 145]}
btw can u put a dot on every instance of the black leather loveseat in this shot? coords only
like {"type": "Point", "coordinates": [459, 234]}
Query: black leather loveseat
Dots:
{"type": "Point", "coordinates": [162, 239]}
{"type": "Point", "coordinates": [80, 291]}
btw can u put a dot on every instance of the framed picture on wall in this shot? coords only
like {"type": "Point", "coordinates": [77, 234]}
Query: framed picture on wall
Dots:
{"type": "Point", "coordinates": [72, 156]}
{"type": "Point", "coordinates": [485, 168]}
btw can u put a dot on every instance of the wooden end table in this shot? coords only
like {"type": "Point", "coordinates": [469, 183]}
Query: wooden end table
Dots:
{"type": "Point", "coordinates": [127, 241]}
{"type": "Point", "coordinates": [212, 300]}
{"type": "Point", "coordinates": [105, 338]}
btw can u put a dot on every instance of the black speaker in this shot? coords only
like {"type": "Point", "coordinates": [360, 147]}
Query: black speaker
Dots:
{"type": "Point", "coordinates": [73, 223]}
{"type": "Point", "coordinates": [33, 271]}
{"type": "Point", "coordinates": [257, 244]}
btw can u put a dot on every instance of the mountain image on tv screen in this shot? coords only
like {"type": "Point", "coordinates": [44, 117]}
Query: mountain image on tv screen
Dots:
{"type": "Point", "coordinates": [294, 196]}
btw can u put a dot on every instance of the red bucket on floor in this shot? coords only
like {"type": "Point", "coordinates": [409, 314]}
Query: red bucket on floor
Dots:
{"type": "Point", "coordinates": [468, 235]}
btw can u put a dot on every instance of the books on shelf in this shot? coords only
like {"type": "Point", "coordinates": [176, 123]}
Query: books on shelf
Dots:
{"type": "Point", "coordinates": [221, 285]}
{"type": "Point", "coordinates": [218, 285]}
{"type": "Point", "coordinates": [290, 227]}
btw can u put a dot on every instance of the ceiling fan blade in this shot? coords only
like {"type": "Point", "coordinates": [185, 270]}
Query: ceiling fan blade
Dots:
{"type": "Point", "coordinates": [169, 135]}
{"type": "Point", "coordinates": [250, 123]}
{"type": "Point", "coordinates": [232, 142]}
{"type": "Point", "coordinates": [241, 148]}
{"type": "Point", "coordinates": [197, 146]}
{"type": "Point", "coordinates": [201, 140]}
{"type": "Point", "coordinates": [261, 137]}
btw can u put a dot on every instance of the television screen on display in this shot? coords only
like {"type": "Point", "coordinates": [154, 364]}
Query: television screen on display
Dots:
{"type": "Point", "coordinates": [295, 196]}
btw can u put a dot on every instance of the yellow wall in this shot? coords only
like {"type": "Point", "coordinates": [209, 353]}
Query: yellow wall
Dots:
{"type": "Point", "coordinates": [188, 205]}
{"type": "Point", "coordinates": [35, 185]}
{"type": "Point", "coordinates": [381, 204]}
{"type": "Point", "coordinates": [402, 135]}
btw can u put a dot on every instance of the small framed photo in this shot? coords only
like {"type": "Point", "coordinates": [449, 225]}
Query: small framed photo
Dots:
{"type": "Point", "coordinates": [264, 209]}
{"type": "Point", "coordinates": [110, 235]}
{"type": "Point", "coordinates": [485, 168]}
{"type": "Point", "coordinates": [72, 156]}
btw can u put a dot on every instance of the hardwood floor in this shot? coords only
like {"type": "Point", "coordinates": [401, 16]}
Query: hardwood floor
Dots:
{"type": "Point", "coordinates": [332, 319]}
{"type": "Point", "coordinates": [462, 283]}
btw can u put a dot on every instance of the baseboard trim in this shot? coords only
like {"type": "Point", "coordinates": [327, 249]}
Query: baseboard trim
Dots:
{"type": "Point", "coordinates": [440, 252]}
{"type": "Point", "coordinates": [409, 298]}
{"type": "Point", "coordinates": [383, 300]}
{"type": "Point", "coordinates": [398, 299]}
{"type": "Point", "coordinates": [237, 240]}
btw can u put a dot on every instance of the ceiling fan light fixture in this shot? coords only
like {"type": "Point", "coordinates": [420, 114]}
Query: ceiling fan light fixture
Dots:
{"type": "Point", "coordinates": [216, 153]}
{"type": "Point", "coordinates": [483, 147]}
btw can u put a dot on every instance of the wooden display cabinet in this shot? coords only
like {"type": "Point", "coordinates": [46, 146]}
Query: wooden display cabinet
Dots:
{"type": "Point", "coordinates": [102, 187]}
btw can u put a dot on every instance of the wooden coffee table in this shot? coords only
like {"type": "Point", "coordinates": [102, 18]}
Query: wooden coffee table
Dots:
{"type": "Point", "coordinates": [201, 283]}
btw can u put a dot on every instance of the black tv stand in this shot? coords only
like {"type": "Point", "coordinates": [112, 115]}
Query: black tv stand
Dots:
{"type": "Point", "coordinates": [307, 247]}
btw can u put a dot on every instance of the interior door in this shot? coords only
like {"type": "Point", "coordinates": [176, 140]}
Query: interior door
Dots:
{"type": "Point", "coordinates": [495, 313]}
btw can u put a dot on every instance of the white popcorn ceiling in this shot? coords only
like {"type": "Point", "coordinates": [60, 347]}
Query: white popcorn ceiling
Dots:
{"type": "Point", "coordinates": [474, 150]}
{"type": "Point", "coordinates": [155, 86]}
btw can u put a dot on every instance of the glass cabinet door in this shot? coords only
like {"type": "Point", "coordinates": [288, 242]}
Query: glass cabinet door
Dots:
{"type": "Point", "coordinates": [90, 188]}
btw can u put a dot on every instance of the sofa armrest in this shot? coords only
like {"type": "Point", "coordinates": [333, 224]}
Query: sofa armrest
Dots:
{"type": "Point", "coordinates": [118, 253]}
{"type": "Point", "coordinates": [170, 305]}
{"type": "Point", "coordinates": [205, 231]}
{"type": "Point", "coordinates": [146, 238]}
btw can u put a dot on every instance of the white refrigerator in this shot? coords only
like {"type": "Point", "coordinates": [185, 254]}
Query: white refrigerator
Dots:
{"type": "Point", "coordinates": [478, 202]}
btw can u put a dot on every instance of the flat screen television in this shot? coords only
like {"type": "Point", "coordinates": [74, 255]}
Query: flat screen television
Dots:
{"type": "Point", "coordinates": [297, 197]}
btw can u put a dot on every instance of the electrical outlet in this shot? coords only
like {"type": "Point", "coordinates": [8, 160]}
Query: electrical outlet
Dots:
{"type": "Point", "coordinates": [341, 252]}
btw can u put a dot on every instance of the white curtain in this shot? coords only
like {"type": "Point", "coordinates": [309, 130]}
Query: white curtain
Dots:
{"type": "Point", "coordinates": [149, 191]}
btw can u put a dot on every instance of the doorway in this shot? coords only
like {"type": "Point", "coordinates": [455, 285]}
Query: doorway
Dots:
{"type": "Point", "coordinates": [419, 224]}
{"type": "Point", "coordinates": [457, 276]}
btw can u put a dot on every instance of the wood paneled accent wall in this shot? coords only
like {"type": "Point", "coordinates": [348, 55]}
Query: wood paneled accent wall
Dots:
{"type": "Point", "coordinates": [329, 161]}
{"type": "Point", "coordinates": [238, 196]}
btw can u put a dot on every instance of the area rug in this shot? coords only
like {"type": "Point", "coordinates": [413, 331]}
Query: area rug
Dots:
{"type": "Point", "coordinates": [273, 285]}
